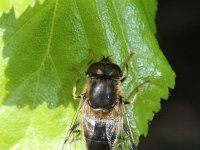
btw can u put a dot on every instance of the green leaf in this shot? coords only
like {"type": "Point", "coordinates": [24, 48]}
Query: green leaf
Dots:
{"type": "Point", "coordinates": [44, 51]}
{"type": "Point", "coordinates": [19, 5]}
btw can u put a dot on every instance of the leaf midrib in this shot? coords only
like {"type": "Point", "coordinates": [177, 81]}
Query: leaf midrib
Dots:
{"type": "Point", "coordinates": [47, 54]}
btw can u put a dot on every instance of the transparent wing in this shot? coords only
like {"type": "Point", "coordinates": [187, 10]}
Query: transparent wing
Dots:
{"type": "Point", "coordinates": [75, 143]}
{"type": "Point", "coordinates": [125, 138]}
{"type": "Point", "coordinates": [74, 139]}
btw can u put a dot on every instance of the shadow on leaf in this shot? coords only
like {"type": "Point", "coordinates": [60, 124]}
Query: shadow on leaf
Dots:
{"type": "Point", "coordinates": [40, 48]}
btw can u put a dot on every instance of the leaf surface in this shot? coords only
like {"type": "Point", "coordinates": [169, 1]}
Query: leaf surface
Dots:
{"type": "Point", "coordinates": [19, 5]}
{"type": "Point", "coordinates": [44, 52]}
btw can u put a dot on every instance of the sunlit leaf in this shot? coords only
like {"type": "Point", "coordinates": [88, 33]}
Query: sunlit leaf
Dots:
{"type": "Point", "coordinates": [19, 5]}
{"type": "Point", "coordinates": [44, 52]}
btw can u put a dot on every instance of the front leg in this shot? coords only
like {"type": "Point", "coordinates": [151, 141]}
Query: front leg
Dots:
{"type": "Point", "coordinates": [74, 94]}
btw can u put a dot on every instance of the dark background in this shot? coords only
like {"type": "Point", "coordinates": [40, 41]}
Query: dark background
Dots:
{"type": "Point", "coordinates": [177, 125]}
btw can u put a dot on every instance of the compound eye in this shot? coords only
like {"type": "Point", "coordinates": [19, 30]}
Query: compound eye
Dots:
{"type": "Point", "coordinates": [95, 69]}
{"type": "Point", "coordinates": [113, 70]}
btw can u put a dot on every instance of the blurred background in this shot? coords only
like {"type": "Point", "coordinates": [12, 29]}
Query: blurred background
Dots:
{"type": "Point", "coordinates": [177, 125]}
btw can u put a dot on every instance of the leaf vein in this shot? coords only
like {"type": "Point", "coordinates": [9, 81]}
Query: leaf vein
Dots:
{"type": "Point", "coordinates": [48, 47]}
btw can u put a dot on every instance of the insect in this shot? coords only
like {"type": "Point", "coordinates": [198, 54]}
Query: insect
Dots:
{"type": "Point", "coordinates": [101, 118]}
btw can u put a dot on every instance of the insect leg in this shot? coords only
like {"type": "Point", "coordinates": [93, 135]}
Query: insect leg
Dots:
{"type": "Point", "coordinates": [78, 133]}
{"type": "Point", "coordinates": [71, 130]}
{"type": "Point", "coordinates": [73, 126]}
{"type": "Point", "coordinates": [128, 132]}
{"type": "Point", "coordinates": [91, 56]}
{"type": "Point", "coordinates": [126, 66]}
{"type": "Point", "coordinates": [75, 96]}
{"type": "Point", "coordinates": [120, 144]}
{"type": "Point", "coordinates": [127, 129]}
{"type": "Point", "coordinates": [136, 91]}
{"type": "Point", "coordinates": [133, 100]}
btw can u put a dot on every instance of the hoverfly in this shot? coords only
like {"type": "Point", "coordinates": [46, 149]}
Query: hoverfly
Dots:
{"type": "Point", "coordinates": [101, 112]}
